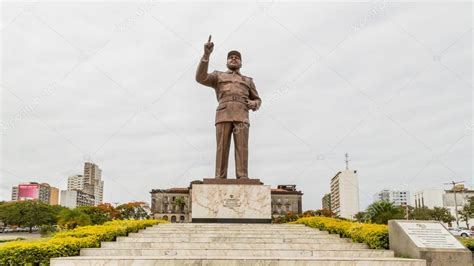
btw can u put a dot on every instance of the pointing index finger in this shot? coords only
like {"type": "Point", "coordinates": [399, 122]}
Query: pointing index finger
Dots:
{"type": "Point", "coordinates": [209, 38]}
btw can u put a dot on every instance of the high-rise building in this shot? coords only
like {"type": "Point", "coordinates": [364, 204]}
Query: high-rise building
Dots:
{"type": "Point", "coordinates": [345, 194]}
{"type": "Point", "coordinates": [33, 191]}
{"type": "Point", "coordinates": [54, 196]}
{"type": "Point", "coordinates": [15, 193]}
{"type": "Point", "coordinates": [397, 197]}
{"type": "Point", "coordinates": [98, 192]}
{"type": "Point", "coordinates": [92, 182]}
{"type": "Point", "coordinates": [326, 201]}
{"type": "Point", "coordinates": [91, 172]}
{"type": "Point", "coordinates": [75, 182]}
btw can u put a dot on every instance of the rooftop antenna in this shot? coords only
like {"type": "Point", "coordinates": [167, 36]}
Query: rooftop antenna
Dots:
{"type": "Point", "coordinates": [347, 161]}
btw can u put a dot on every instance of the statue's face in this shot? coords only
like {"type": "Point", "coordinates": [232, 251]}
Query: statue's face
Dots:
{"type": "Point", "coordinates": [234, 62]}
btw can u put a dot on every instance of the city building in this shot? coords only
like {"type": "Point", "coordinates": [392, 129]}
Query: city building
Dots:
{"type": "Point", "coordinates": [174, 204]}
{"type": "Point", "coordinates": [345, 194]}
{"type": "Point", "coordinates": [34, 191]}
{"type": "Point", "coordinates": [286, 199]}
{"type": "Point", "coordinates": [75, 182]}
{"type": "Point", "coordinates": [15, 193]}
{"type": "Point", "coordinates": [75, 198]}
{"type": "Point", "coordinates": [92, 172]}
{"type": "Point", "coordinates": [397, 197]}
{"type": "Point", "coordinates": [430, 198]}
{"type": "Point", "coordinates": [98, 192]}
{"type": "Point", "coordinates": [462, 198]}
{"type": "Point", "coordinates": [54, 196]}
{"type": "Point", "coordinates": [90, 182]}
{"type": "Point", "coordinates": [326, 201]}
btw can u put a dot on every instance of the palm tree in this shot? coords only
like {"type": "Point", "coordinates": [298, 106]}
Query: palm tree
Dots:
{"type": "Point", "coordinates": [181, 202]}
{"type": "Point", "coordinates": [69, 219]}
{"type": "Point", "coordinates": [381, 211]}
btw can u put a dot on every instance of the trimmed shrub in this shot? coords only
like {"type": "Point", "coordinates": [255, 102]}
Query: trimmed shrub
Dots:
{"type": "Point", "coordinates": [467, 242]}
{"type": "Point", "coordinates": [68, 243]}
{"type": "Point", "coordinates": [374, 235]}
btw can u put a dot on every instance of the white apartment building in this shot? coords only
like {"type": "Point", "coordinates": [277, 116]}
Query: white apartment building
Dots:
{"type": "Point", "coordinates": [76, 198]}
{"type": "Point", "coordinates": [397, 197]}
{"type": "Point", "coordinates": [345, 194]}
{"type": "Point", "coordinates": [75, 182]}
{"type": "Point", "coordinates": [98, 192]}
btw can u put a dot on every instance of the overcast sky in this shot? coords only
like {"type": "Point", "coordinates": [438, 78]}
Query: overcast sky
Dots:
{"type": "Point", "coordinates": [113, 83]}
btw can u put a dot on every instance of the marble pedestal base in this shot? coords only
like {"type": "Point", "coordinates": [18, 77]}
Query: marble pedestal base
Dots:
{"type": "Point", "coordinates": [231, 203]}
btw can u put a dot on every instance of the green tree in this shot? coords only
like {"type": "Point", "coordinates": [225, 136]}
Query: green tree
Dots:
{"type": "Point", "coordinates": [423, 213]}
{"type": "Point", "coordinates": [466, 213]}
{"type": "Point", "coordinates": [96, 214]}
{"type": "Point", "coordinates": [27, 213]}
{"type": "Point", "coordinates": [361, 217]}
{"type": "Point", "coordinates": [70, 219]}
{"type": "Point", "coordinates": [381, 211]}
{"type": "Point", "coordinates": [110, 210]}
{"type": "Point", "coordinates": [442, 215]}
{"type": "Point", "coordinates": [134, 210]}
{"type": "Point", "coordinates": [324, 212]}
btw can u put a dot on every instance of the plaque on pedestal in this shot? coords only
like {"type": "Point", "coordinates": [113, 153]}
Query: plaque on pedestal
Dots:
{"type": "Point", "coordinates": [428, 240]}
{"type": "Point", "coordinates": [231, 201]}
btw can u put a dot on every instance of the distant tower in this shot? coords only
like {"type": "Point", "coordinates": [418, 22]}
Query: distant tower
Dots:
{"type": "Point", "coordinates": [345, 192]}
{"type": "Point", "coordinates": [347, 161]}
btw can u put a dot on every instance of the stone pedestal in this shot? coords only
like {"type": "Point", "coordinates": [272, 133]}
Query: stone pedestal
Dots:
{"type": "Point", "coordinates": [428, 240]}
{"type": "Point", "coordinates": [231, 201]}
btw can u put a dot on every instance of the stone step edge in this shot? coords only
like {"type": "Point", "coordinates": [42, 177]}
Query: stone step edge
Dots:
{"type": "Point", "coordinates": [245, 236]}
{"type": "Point", "coordinates": [234, 258]}
{"type": "Point", "coordinates": [348, 243]}
{"type": "Point", "coordinates": [243, 249]}
{"type": "Point", "coordinates": [231, 241]}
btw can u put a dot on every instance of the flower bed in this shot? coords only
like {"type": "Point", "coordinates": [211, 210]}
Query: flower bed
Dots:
{"type": "Point", "coordinates": [374, 235]}
{"type": "Point", "coordinates": [68, 243]}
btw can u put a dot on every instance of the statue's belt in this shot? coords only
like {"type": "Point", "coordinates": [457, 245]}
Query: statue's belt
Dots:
{"type": "Point", "coordinates": [233, 98]}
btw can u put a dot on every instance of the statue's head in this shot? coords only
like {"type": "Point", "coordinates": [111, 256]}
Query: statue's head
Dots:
{"type": "Point", "coordinates": [234, 60]}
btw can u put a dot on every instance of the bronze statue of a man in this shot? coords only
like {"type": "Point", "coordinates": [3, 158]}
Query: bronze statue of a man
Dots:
{"type": "Point", "coordinates": [236, 95]}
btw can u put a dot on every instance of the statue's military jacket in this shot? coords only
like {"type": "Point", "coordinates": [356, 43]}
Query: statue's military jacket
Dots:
{"type": "Point", "coordinates": [233, 90]}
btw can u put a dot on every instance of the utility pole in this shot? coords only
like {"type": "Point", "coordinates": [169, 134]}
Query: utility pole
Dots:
{"type": "Point", "coordinates": [455, 199]}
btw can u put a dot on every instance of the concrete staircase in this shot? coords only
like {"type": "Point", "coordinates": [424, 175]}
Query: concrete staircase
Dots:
{"type": "Point", "coordinates": [234, 244]}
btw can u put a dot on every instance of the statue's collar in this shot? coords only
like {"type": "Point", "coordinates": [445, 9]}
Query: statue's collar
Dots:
{"type": "Point", "coordinates": [231, 72]}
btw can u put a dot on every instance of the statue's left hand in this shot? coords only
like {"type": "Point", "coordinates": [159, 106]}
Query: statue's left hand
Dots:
{"type": "Point", "coordinates": [252, 105]}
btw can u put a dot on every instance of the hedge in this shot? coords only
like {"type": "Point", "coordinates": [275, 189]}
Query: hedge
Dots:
{"type": "Point", "coordinates": [374, 235]}
{"type": "Point", "coordinates": [467, 242]}
{"type": "Point", "coordinates": [68, 243]}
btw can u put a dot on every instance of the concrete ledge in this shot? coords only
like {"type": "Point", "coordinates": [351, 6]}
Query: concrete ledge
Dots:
{"type": "Point", "coordinates": [231, 220]}
{"type": "Point", "coordinates": [235, 261]}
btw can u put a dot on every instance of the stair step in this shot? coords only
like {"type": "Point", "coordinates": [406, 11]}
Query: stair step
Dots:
{"type": "Point", "coordinates": [231, 240]}
{"type": "Point", "coordinates": [228, 225]}
{"type": "Point", "coordinates": [237, 261]}
{"type": "Point", "coordinates": [155, 234]}
{"type": "Point", "coordinates": [228, 231]}
{"type": "Point", "coordinates": [216, 245]}
{"type": "Point", "coordinates": [237, 252]}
